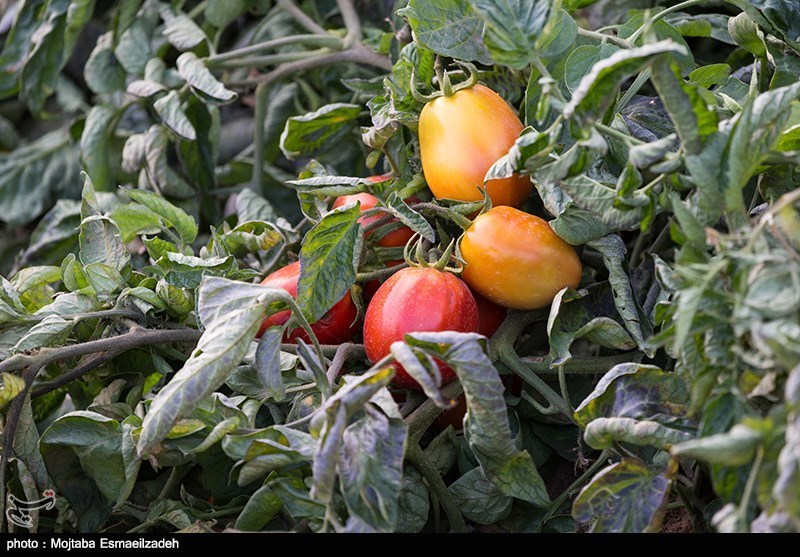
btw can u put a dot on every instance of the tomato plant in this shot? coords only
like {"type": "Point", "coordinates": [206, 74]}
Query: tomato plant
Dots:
{"type": "Point", "coordinates": [516, 260]}
{"type": "Point", "coordinates": [338, 325]}
{"type": "Point", "coordinates": [460, 137]}
{"type": "Point", "coordinates": [412, 300]}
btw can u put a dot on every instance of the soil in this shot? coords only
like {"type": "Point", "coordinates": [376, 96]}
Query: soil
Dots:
{"type": "Point", "coordinates": [677, 522]}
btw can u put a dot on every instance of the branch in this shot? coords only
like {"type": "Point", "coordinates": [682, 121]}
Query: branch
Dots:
{"type": "Point", "coordinates": [134, 339]}
{"type": "Point", "coordinates": [421, 419]}
{"type": "Point", "coordinates": [351, 22]}
{"type": "Point", "coordinates": [91, 364]}
{"type": "Point", "coordinates": [301, 17]}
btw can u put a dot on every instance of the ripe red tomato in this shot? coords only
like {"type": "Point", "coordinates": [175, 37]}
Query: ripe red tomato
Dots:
{"type": "Point", "coordinates": [490, 315]}
{"type": "Point", "coordinates": [461, 137]}
{"type": "Point", "coordinates": [337, 326]}
{"type": "Point", "coordinates": [414, 300]}
{"type": "Point", "coordinates": [516, 260]}
{"type": "Point", "coordinates": [395, 238]}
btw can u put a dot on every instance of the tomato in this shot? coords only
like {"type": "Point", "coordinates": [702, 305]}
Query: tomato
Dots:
{"type": "Point", "coordinates": [417, 299]}
{"type": "Point", "coordinates": [490, 315]}
{"type": "Point", "coordinates": [395, 238]}
{"type": "Point", "coordinates": [516, 260]}
{"type": "Point", "coordinates": [337, 326]}
{"type": "Point", "coordinates": [461, 137]}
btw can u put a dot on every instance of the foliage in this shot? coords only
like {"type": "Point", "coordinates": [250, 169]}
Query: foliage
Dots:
{"type": "Point", "coordinates": [148, 183]}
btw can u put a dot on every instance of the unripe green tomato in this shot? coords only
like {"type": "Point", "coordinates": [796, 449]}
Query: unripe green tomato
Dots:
{"type": "Point", "coordinates": [516, 260]}
{"type": "Point", "coordinates": [461, 137]}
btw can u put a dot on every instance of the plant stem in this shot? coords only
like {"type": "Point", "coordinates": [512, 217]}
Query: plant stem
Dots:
{"type": "Point", "coordinates": [301, 17]}
{"type": "Point", "coordinates": [379, 273]}
{"type": "Point", "coordinates": [421, 418]}
{"type": "Point", "coordinates": [121, 343]}
{"type": "Point", "coordinates": [416, 457]}
{"type": "Point", "coordinates": [93, 363]}
{"type": "Point", "coordinates": [351, 22]}
{"type": "Point", "coordinates": [272, 59]}
{"type": "Point", "coordinates": [306, 40]}
{"type": "Point", "coordinates": [750, 485]}
{"type": "Point", "coordinates": [587, 474]}
{"type": "Point", "coordinates": [617, 134]}
{"type": "Point", "coordinates": [580, 366]}
{"type": "Point", "coordinates": [510, 359]}
{"type": "Point", "coordinates": [603, 37]}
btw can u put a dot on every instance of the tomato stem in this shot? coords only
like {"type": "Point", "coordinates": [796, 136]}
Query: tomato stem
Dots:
{"type": "Point", "coordinates": [416, 457]}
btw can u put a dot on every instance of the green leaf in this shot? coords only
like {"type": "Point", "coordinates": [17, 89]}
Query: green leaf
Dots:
{"type": "Point", "coordinates": [263, 505]}
{"type": "Point", "coordinates": [268, 362]}
{"type": "Point", "coordinates": [172, 115]}
{"type": "Point", "coordinates": [172, 216]}
{"type": "Point", "coordinates": [410, 217]}
{"type": "Point", "coordinates": [50, 331]}
{"type": "Point", "coordinates": [557, 36]}
{"type": "Point", "coordinates": [583, 59]}
{"type": "Point", "coordinates": [180, 30]}
{"type": "Point", "coordinates": [596, 92]}
{"type": "Point", "coordinates": [413, 505]}
{"type": "Point", "coordinates": [612, 248]}
{"type": "Point", "coordinates": [97, 443]}
{"type": "Point", "coordinates": [573, 317]}
{"type": "Point", "coordinates": [231, 313]}
{"type": "Point", "coordinates": [662, 31]}
{"type": "Point", "coordinates": [50, 48]}
{"type": "Point", "coordinates": [448, 27]}
{"type": "Point", "coordinates": [318, 131]}
{"type": "Point", "coordinates": [133, 48]}
{"type": "Point", "coordinates": [94, 145]}
{"type": "Point", "coordinates": [202, 81]}
{"type": "Point", "coordinates": [250, 237]}
{"type": "Point", "coordinates": [602, 433]}
{"type": "Point", "coordinates": [220, 13]}
{"type": "Point", "coordinates": [371, 468]}
{"type": "Point", "coordinates": [478, 499]}
{"type": "Point", "coordinates": [786, 489]}
{"type": "Point", "coordinates": [627, 496]}
{"type": "Point", "coordinates": [638, 391]}
{"type": "Point", "coordinates": [693, 120]}
{"type": "Point", "coordinates": [133, 219]}
{"type": "Point", "coordinates": [103, 72]}
{"type": "Point", "coordinates": [513, 28]}
{"type": "Point", "coordinates": [13, 385]}
{"type": "Point", "coordinates": [187, 271]}
{"type": "Point", "coordinates": [488, 430]}
{"type": "Point", "coordinates": [780, 18]}
{"type": "Point", "coordinates": [17, 44]}
{"type": "Point", "coordinates": [733, 448]}
{"type": "Point", "coordinates": [755, 132]}
{"type": "Point", "coordinates": [252, 207]}
{"type": "Point", "coordinates": [329, 259]}
{"type": "Point", "coordinates": [35, 174]}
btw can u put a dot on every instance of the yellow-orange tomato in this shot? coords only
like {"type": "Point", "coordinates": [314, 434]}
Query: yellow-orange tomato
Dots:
{"type": "Point", "coordinates": [516, 260]}
{"type": "Point", "coordinates": [461, 137]}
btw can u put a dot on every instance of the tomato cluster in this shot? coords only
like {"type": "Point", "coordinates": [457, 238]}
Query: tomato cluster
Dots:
{"type": "Point", "coordinates": [512, 259]}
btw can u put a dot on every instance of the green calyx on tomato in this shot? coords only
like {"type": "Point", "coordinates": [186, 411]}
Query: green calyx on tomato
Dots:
{"type": "Point", "coordinates": [417, 299]}
{"type": "Point", "coordinates": [338, 325]}
{"type": "Point", "coordinates": [516, 260]}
